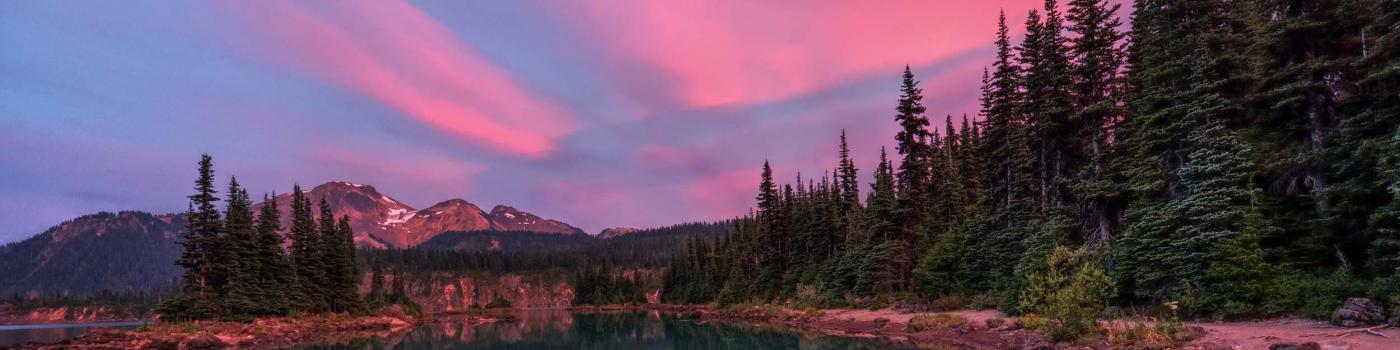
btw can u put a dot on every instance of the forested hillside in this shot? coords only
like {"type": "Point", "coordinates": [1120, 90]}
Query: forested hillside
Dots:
{"type": "Point", "coordinates": [1238, 157]}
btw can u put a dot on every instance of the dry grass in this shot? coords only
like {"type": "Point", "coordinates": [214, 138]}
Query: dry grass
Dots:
{"type": "Point", "coordinates": [935, 321]}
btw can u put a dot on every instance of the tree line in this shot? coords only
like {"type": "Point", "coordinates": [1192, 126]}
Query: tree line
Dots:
{"type": "Point", "coordinates": [236, 267]}
{"type": "Point", "coordinates": [1239, 156]}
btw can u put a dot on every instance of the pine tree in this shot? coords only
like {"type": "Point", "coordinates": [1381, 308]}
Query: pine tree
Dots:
{"type": "Point", "coordinates": [306, 255]}
{"type": "Point", "coordinates": [238, 300]}
{"type": "Point", "coordinates": [912, 182]}
{"type": "Point", "coordinates": [1301, 55]}
{"type": "Point", "coordinates": [772, 235]}
{"type": "Point", "coordinates": [1047, 110]}
{"type": "Point", "coordinates": [1364, 160]}
{"type": "Point", "coordinates": [200, 242]}
{"type": "Point", "coordinates": [342, 275]}
{"type": "Point", "coordinates": [275, 278]}
{"type": "Point", "coordinates": [1096, 59]}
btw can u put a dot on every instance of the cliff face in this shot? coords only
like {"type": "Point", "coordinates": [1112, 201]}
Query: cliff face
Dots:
{"type": "Point", "coordinates": [63, 315]}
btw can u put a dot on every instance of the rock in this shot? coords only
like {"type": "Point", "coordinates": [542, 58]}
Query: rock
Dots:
{"type": "Point", "coordinates": [161, 344]}
{"type": "Point", "coordinates": [1359, 311]}
{"type": "Point", "coordinates": [1336, 345]}
{"type": "Point", "coordinates": [964, 329]}
{"type": "Point", "coordinates": [205, 341]}
{"type": "Point", "coordinates": [1295, 346]}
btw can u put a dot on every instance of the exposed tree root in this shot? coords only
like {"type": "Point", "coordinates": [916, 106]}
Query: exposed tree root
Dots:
{"type": "Point", "coordinates": [1343, 334]}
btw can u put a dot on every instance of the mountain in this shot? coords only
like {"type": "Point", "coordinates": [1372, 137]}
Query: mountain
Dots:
{"type": "Point", "coordinates": [380, 221]}
{"type": "Point", "coordinates": [134, 251]}
{"type": "Point", "coordinates": [123, 252]}
{"type": "Point", "coordinates": [614, 232]}
{"type": "Point", "coordinates": [504, 218]}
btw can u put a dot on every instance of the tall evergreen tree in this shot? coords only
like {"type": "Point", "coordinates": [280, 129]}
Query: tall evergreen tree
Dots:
{"type": "Point", "coordinates": [912, 180]}
{"type": "Point", "coordinates": [199, 286]}
{"type": "Point", "coordinates": [1096, 59]}
{"type": "Point", "coordinates": [306, 254]}
{"type": "Point", "coordinates": [342, 275]}
{"type": "Point", "coordinates": [275, 277]}
{"type": "Point", "coordinates": [238, 299]}
{"type": "Point", "coordinates": [1302, 54]}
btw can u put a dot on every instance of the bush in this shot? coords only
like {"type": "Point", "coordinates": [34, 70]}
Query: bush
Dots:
{"type": "Point", "coordinates": [985, 301]}
{"type": "Point", "coordinates": [948, 303]}
{"type": "Point", "coordinates": [809, 296]}
{"type": "Point", "coordinates": [1071, 292]}
{"type": "Point", "coordinates": [499, 302]}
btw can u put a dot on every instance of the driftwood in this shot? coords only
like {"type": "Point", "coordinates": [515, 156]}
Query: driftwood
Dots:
{"type": "Point", "coordinates": [1343, 334]}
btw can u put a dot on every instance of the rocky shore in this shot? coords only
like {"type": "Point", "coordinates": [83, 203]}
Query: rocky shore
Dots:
{"type": "Point", "coordinates": [265, 333]}
{"type": "Point", "coordinates": [992, 330]}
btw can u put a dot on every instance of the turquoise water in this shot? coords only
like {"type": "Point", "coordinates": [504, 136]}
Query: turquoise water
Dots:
{"type": "Point", "coordinates": [557, 329]}
{"type": "Point", "coordinates": [52, 332]}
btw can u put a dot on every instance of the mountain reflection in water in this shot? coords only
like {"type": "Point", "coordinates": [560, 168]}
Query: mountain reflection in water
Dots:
{"type": "Point", "coordinates": [561, 329]}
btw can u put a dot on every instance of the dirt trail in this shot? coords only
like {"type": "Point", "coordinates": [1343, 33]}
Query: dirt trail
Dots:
{"type": "Point", "coordinates": [1260, 334]}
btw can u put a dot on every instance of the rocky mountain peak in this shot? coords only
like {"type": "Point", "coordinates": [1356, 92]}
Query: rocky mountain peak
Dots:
{"type": "Point", "coordinates": [506, 218]}
{"type": "Point", "coordinates": [614, 232]}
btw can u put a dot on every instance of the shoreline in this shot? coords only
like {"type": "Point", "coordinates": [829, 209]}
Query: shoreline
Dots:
{"type": "Point", "coordinates": [989, 329]}
{"type": "Point", "coordinates": [275, 332]}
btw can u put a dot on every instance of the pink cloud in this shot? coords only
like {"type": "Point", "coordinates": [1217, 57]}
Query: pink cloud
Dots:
{"type": "Point", "coordinates": [666, 158]}
{"type": "Point", "coordinates": [399, 56]}
{"type": "Point", "coordinates": [718, 53]}
{"type": "Point", "coordinates": [724, 194]}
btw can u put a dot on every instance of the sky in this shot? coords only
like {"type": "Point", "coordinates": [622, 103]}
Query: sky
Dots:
{"type": "Point", "coordinates": [596, 113]}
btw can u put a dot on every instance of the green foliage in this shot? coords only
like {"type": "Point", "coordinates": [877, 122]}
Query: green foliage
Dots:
{"type": "Point", "coordinates": [605, 285]}
{"type": "Point", "coordinates": [1071, 293]}
{"type": "Point", "coordinates": [234, 264]}
{"type": "Point", "coordinates": [498, 303]}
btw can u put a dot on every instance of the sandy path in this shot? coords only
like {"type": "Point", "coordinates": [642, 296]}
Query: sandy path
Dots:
{"type": "Point", "coordinates": [1240, 335]}
{"type": "Point", "coordinates": [1259, 334]}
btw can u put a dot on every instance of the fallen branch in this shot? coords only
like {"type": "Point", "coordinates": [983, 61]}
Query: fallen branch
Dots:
{"type": "Point", "coordinates": [1343, 334]}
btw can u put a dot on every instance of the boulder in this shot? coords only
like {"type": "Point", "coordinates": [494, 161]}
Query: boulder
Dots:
{"type": "Point", "coordinates": [205, 342]}
{"type": "Point", "coordinates": [1359, 311]}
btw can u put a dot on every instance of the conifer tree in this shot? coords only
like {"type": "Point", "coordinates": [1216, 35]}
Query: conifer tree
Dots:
{"type": "Point", "coordinates": [200, 242]}
{"type": "Point", "coordinates": [913, 181]}
{"type": "Point", "coordinates": [238, 299]}
{"type": "Point", "coordinates": [1096, 59]}
{"type": "Point", "coordinates": [342, 275]}
{"type": "Point", "coordinates": [306, 255]}
{"type": "Point", "coordinates": [1301, 55]}
{"type": "Point", "coordinates": [274, 278]}
{"type": "Point", "coordinates": [772, 236]}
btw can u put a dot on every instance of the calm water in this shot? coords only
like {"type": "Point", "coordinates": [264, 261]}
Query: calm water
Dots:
{"type": "Point", "coordinates": [52, 332]}
{"type": "Point", "coordinates": [557, 329]}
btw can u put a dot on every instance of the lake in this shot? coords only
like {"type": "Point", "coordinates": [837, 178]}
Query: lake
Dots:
{"type": "Point", "coordinates": [560, 329]}
{"type": "Point", "coordinates": [52, 332]}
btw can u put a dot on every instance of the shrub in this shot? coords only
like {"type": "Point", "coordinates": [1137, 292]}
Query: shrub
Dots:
{"type": "Point", "coordinates": [995, 323]}
{"type": "Point", "coordinates": [809, 296]}
{"type": "Point", "coordinates": [925, 322]}
{"type": "Point", "coordinates": [985, 301]}
{"type": "Point", "coordinates": [499, 303]}
{"type": "Point", "coordinates": [947, 303]}
{"type": "Point", "coordinates": [1071, 292]}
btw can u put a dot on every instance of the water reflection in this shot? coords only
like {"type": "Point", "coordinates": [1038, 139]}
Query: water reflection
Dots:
{"type": "Point", "coordinates": [558, 329]}
{"type": "Point", "coordinates": [53, 332]}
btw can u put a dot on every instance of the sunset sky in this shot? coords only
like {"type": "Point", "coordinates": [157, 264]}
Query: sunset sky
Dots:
{"type": "Point", "coordinates": [595, 113]}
